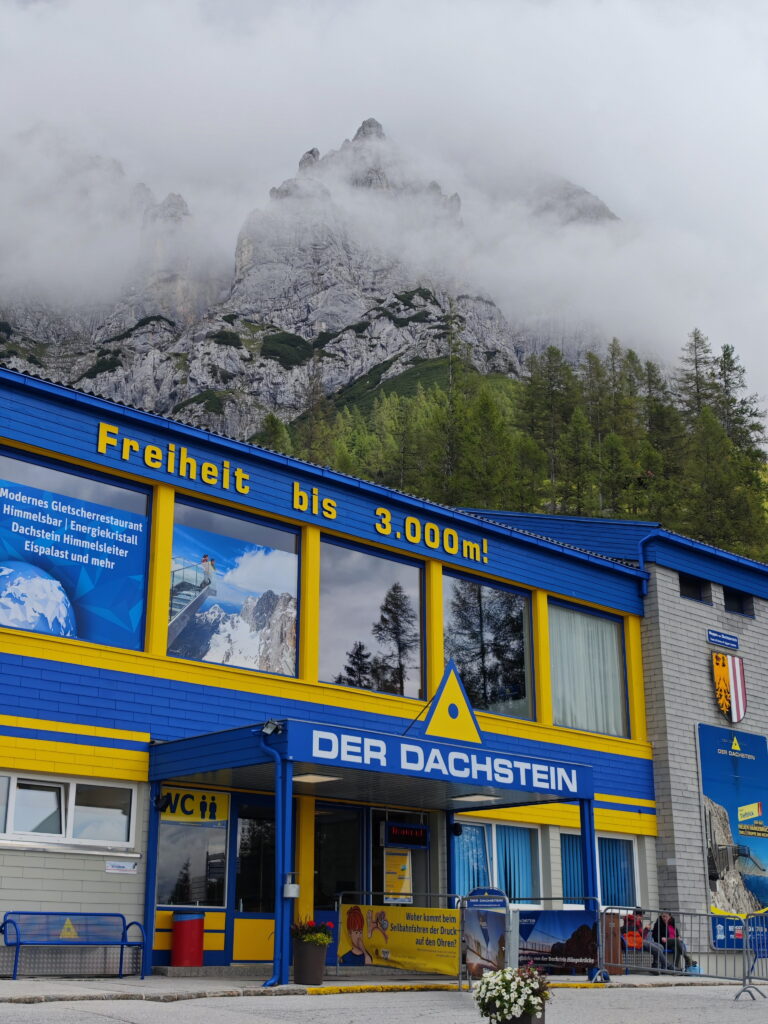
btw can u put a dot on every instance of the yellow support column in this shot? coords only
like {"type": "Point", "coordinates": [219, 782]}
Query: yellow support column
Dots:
{"type": "Point", "coordinates": [159, 588]}
{"type": "Point", "coordinates": [542, 665]}
{"type": "Point", "coordinates": [433, 639]}
{"type": "Point", "coordinates": [305, 856]}
{"type": "Point", "coordinates": [309, 626]}
{"type": "Point", "coordinates": [635, 684]}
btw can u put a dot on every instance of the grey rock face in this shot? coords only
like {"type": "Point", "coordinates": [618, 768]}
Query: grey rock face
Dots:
{"type": "Point", "coordinates": [339, 277]}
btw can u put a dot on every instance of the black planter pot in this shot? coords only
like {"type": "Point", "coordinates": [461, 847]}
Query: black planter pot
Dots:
{"type": "Point", "coordinates": [308, 963]}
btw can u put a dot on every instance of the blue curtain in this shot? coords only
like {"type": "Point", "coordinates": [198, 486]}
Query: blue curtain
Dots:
{"type": "Point", "coordinates": [471, 858]}
{"type": "Point", "coordinates": [571, 861]}
{"type": "Point", "coordinates": [517, 863]}
{"type": "Point", "coordinates": [617, 874]}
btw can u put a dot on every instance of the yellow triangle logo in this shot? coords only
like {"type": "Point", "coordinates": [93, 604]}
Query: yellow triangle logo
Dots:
{"type": "Point", "coordinates": [735, 744]}
{"type": "Point", "coordinates": [68, 931]}
{"type": "Point", "coordinates": [451, 717]}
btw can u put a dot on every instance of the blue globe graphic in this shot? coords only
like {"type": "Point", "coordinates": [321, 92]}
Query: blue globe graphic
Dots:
{"type": "Point", "coordinates": [32, 599]}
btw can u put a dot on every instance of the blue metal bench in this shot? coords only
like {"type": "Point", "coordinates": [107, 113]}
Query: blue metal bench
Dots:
{"type": "Point", "coordinates": [40, 928]}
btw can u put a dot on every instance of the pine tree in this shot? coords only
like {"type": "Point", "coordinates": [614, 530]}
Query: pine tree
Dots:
{"type": "Point", "coordinates": [695, 381]}
{"type": "Point", "coordinates": [396, 630]}
{"type": "Point", "coordinates": [274, 435]}
{"type": "Point", "coordinates": [739, 414]}
{"type": "Point", "coordinates": [357, 671]}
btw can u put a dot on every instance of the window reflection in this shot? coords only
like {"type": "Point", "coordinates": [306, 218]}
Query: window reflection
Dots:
{"type": "Point", "coordinates": [102, 812]}
{"type": "Point", "coordinates": [370, 621]}
{"type": "Point", "coordinates": [191, 864]}
{"type": "Point", "coordinates": [38, 809]}
{"type": "Point", "coordinates": [487, 633]}
{"type": "Point", "coordinates": [255, 882]}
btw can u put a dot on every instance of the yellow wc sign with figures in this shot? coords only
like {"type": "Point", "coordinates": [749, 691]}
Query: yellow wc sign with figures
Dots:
{"type": "Point", "coordinates": [194, 806]}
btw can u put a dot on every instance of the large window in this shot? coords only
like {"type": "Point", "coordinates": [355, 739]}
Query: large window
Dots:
{"type": "Point", "coordinates": [504, 856]}
{"type": "Point", "coordinates": [234, 587]}
{"type": "Point", "coordinates": [73, 554]}
{"type": "Point", "coordinates": [588, 682]}
{"type": "Point", "coordinates": [255, 879]}
{"type": "Point", "coordinates": [616, 870]}
{"type": "Point", "coordinates": [370, 621]}
{"type": "Point", "coordinates": [192, 864]}
{"type": "Point", "coordinates": [46, 809]}
{"type": "Point", "coordinates": [487, 633]}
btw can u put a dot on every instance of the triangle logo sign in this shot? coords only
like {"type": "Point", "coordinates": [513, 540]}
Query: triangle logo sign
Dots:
{"type": "Point", "coordinates": [68, 931]}
{"type": "Point", "coordinates": [451, 716]}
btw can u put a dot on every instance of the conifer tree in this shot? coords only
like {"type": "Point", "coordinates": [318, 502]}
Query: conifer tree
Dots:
{"type": "Point", "coordinates": [396, 629]}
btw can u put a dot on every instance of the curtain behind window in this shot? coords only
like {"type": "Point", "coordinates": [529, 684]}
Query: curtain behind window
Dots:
{"type": "Point", "coordinates": [617, 872]}
{"type": "Point", "coordinates": [571, 861]}
{"type": "Point", "coordinates": [471, 849]}
{"type": "Point", "coordinates": [517, 863]}
{"type": "Point", "coordinates": [587, 672]}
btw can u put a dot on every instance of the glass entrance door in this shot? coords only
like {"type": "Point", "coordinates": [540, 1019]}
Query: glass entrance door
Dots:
{"type": "Point", "coordinates": [254, 881]}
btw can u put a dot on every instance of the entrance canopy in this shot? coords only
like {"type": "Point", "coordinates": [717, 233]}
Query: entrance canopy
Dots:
{"type": "Point", "coordinates": [334, 762]}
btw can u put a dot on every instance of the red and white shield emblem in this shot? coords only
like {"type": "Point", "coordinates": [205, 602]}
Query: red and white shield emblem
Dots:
{"type": "Point", "coordinates": [730, 687]}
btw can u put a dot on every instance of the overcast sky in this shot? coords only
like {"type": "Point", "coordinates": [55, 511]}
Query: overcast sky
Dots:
{"type": "Point", "coordinates": [659, 108]}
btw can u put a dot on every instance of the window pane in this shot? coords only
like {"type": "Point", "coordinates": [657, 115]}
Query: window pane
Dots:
{"type": "Point", "coordinates": [338, 854]}
{"type": "Point", "coordinates": [102, 812]}
{"type": "Point", "coordinates": [587, 657]}
{"type": "Point", "coordinates": [617, 872]}
{"type": "Point", "coordinates": [471, 849]}
{"type": "Point", "coordinates": [487, 633]}
{"type": "Point", "coordinates": [38, 809]}
{"type": "Point", "coordinates": [255, 884]}
{"type": "Point", "coordinates": [4, 786]}
{"type": "Point", "coordinates": [370, 621]}
{"type": "Point", "coordinates": [234, 586]}
{"type": "Point", "coordinates": [517, 863]}
{"type": "Point", "coordinates": [191, 865]}
{"type": "Point", "coordinates": [73, 555]}
{"type": "Point", "coordinates": [571, 858]}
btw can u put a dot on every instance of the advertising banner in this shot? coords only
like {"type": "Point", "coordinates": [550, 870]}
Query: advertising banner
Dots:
{"type": "Point", "coordinates": [410, 938]}
{"type": "Point", "coordinates": [70, 567]}
{"type": "Point", "coordinates": [485, 931]}
{"type": "Point", "coordinates": [734, 785]}
{"type": "Point", "coordinates": [398, 876]}
{"type": "Point", "coordinates": [558, 939]}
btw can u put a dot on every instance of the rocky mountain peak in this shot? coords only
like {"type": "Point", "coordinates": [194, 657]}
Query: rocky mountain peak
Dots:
{"type": "Point", "coordinates": [369, 129]}
{"type": "Point", "coordinates": [172, 210]}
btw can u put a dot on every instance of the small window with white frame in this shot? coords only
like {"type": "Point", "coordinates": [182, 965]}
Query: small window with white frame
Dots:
{"type": "Point", "coordinates": [37, 809]}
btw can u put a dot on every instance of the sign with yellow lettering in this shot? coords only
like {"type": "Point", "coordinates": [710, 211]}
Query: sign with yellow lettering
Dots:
{"type": "Point", "coordinates": [194, 807]}
{"type": "Point", "coordinates": [408, 938]}
{"type": "Point", "coordinates": [747, 811]}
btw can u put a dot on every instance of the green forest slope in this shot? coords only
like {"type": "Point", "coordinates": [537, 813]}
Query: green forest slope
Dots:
{"type": "Point", "coordinates": [611, 435]}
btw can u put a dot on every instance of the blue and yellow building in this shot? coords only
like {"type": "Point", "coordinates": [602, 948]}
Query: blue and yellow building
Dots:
{"type": "Point", "coordinates": [235, 681]}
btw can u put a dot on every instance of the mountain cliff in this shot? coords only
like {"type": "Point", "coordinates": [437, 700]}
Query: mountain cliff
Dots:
{"type": "Point", "coordinates": [340, 280]}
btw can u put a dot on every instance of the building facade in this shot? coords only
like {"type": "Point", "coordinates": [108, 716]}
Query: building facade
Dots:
{"type": "Point", "coordinates": [238, 682]}
{"type": "Point", "coordinates": [705, 651]}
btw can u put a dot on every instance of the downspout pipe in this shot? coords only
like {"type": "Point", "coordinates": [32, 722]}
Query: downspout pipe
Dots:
{"type": "Point", "coordinates": [641, 559]}
{"type": "Point", "coordinates": [280, 825]}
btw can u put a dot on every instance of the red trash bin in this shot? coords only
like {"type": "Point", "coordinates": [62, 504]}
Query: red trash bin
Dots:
{"type": "Point", "coordinates": [187, 941]}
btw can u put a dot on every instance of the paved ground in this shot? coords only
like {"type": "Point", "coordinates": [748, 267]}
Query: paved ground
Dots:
{"type": "Point", "coordinates": [670, 1004]}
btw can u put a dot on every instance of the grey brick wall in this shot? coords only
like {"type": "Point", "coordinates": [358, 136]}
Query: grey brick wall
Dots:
{"type": "Point", "coordinates": [680, 694]}
{"type": "Point", "coordinates": [70, 880]}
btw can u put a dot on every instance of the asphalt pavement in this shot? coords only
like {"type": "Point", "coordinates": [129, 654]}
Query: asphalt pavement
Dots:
{"type": "Point", "coordinates": [684, 1004]}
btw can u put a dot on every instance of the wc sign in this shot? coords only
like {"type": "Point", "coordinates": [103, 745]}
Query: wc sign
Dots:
{"type": "Point", "coordinates": [194, 807]}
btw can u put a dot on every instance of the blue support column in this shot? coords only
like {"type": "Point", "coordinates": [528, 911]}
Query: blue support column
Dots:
{"type": "Point", "coordinates": [150, 877]}
{"type": "Point", "coordinates": [286, 905]}
{"type": "Point", "coordinates": [589, 854]}
{"type": "Point", "coordinates": [450, 821]}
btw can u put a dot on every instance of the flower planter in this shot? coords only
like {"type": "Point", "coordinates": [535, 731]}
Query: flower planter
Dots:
{"type": "Point", "coordinates": [308, 963]}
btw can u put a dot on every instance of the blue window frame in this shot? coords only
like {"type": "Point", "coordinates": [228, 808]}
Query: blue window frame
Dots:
{"type": "Point", "coordinates": [504, 856]}
{"type": "Point", "coordinates": [616, 870]}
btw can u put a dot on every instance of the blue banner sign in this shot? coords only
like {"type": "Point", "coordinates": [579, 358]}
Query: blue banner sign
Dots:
{"type": "Point", "coordinates": [405, 755]}
{"type": "Point", "coordinates": [487, 899]}
{"type": "Point", "coordinates": [70, 567]}
{"type": "Point", "coordinates": [734, 769]}
{"type": "Point", "coordinates": [714, 636]}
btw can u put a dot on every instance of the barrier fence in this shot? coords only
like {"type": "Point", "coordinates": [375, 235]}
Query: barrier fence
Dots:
{"type": "Point", "coordinates": [719, 946]}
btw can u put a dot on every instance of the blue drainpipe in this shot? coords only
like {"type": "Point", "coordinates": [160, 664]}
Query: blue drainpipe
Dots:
{"type": "Point", "coordinates": [279, 968]}
{"type": "Point", "coordinates": [641, 558]}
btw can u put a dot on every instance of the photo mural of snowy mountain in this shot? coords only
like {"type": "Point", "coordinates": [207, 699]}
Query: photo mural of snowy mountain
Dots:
{"type": "Point", "coordinates": [341, 281]}
{"type": "Point", "coordinates": [261, 635]}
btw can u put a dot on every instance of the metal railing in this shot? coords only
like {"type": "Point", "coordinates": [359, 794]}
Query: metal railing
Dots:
{"type": "Point", "coordinates": [719, 946]}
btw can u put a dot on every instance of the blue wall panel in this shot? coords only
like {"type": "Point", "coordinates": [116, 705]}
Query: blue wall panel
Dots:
{"type": "Point", "coordinates": [67, 422]}
{"type": "Point", "coordinates": [169, 709]}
